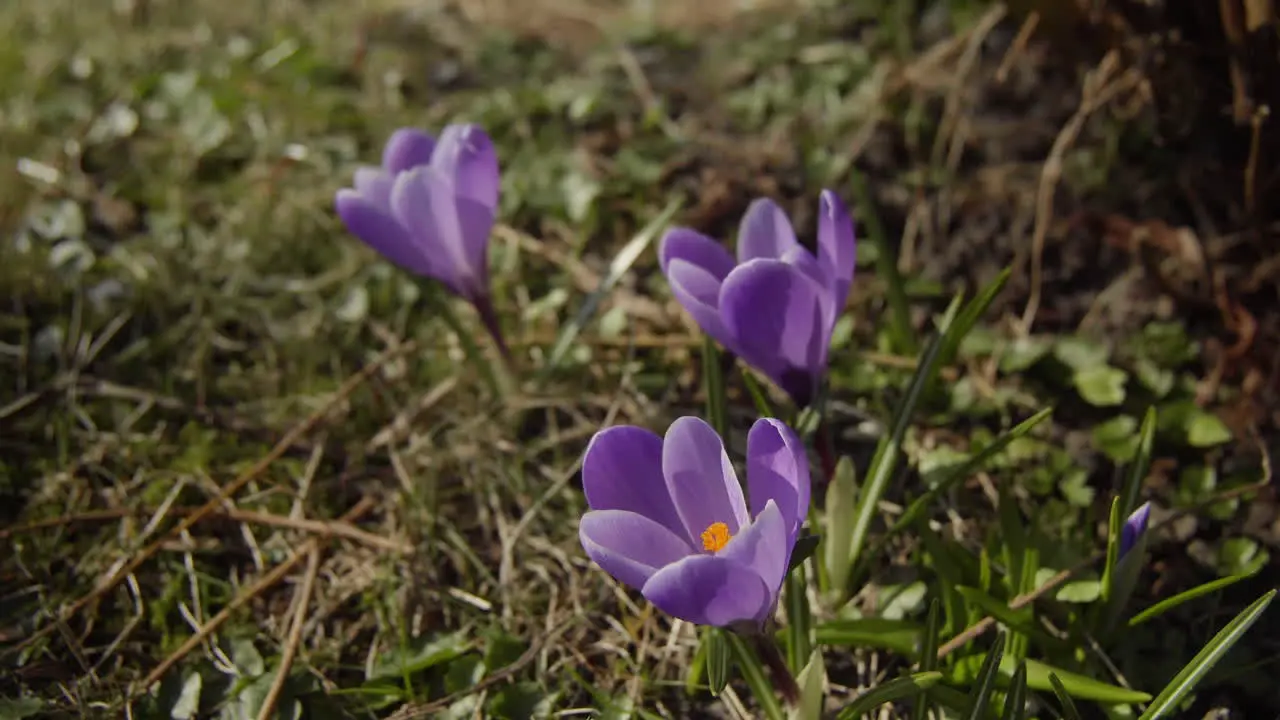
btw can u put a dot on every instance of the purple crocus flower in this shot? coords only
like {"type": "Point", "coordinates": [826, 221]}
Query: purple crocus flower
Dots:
{"type": "Point", "coordinates": [430, 208]}
{"type": "Point", "coordinates": [668, 517]}
{"type": "Point", "coordinates": [776, 305]}
{"type": "Point", "coordinates": [1134, 526]}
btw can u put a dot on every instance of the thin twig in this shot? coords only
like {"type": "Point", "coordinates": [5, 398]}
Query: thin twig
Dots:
{"type": "Point", "coordinates": [327, 528]}
{"type": "Point", "coordinates": [108, 583]}
{"type": "Point", "coordinates": [276, 574]}
{"type": "Point", "coordinates": [303, 600]}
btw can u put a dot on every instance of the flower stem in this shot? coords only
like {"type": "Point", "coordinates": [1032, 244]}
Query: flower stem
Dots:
{"type": "Point", "coordinates": [826, 454]}
{"type": "Point", "coordinates": [489, 318]}
{"type": "Point", "coordinates": [768, 651]}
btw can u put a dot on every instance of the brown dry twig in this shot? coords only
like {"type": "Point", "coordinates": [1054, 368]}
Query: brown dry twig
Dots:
{"type": "Point", "coordinates": [1099, 89]}
{"type": "Point", "coordinates": [302, 600]}
{"type": "Point", "coordinates": [125, 569]}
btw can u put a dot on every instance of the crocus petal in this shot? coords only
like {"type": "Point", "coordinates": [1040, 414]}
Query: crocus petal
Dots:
{"type": "Point", "coordinates": [697, 249]}
{"type": "Point", "coordinates": [423, 201]}
{"type": "Point", "coordinates": [698, 291]}
{"type": "Point", "coordinates": [837, 248]}
{"type": "Point", "coordinates": [765, 232]}
{"type": "Point", "coordinates": [374, 185]}
{"type": "Point", "coordinates": [407, 148]}
{"type": "Point", "coordinates": [701, 480]}
{"type": "Point", "coordinates": [466, 155]}
{"type": "Point", "coordinates": [775, 313]}
{"type": "Point", "coordinates": [381, 232]}
{"type": "Point", "coordinates": [622, 470]}
{"type": "Point", "coordinates": [1133, 527]}
{"type": "Point", "coordinates": [804, 261]}
{"type": "Point", "coordinates": [628, 546]}
{"type": "Point", "coordinates": [709, 590]}
{"type": "Point", "coordinates": [778, 471]}
{"type": "Point", "coordinates": [763, 546]}
{"type": "Point", "coordinates": [476, 224]}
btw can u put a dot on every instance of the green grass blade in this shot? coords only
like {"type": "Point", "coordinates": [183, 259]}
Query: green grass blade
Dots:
{"type": "Point", "coordinates": [985, 684]}
{"type": "Point", "coordinates": [622, 262]}
{"type": "Point", "coordinates": [799, 620]}
{"type": "Point", "coordinates": [1069, 711]}
{"type": "Point", "coordinates": [1132, 488]}
{"type": "Point", "coordinates": [713, 385]}
{"type": "Point", "coordinates": [970, 315]}
{"type": "Point", "coordinates": [886, 457]}
{"type": "Point", "coordinates": [896, 689]}
{"type": "Point", "coordinates": [754, 674]}
{"type": "Point", "coordinates": [918, 507]}
{"type": "Point", "coordinates": [900, 330]}
{"type": "Point", "coordinates": [1168, 604]}
{"type": "Point", "coordinates": [899, 636]}
{"type": "Point", "coordinates": [928, 655]}
{"type": "Point", "coordinates": [758, 396]}
{"type": "Point", "coordinates": [1186, 679]}
{"type": "Point", "coordinates": [1015, 701]}
{"type": "Point", "coordinates": [1114, 522]}
{"type": "Point", "coordinates": [964, 671]}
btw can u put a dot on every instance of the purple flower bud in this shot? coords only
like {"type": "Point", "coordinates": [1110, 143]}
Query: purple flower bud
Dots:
{"type": "Point", "coordinates": [777, 305]}
{"type": "Point", "coordinates": [1134, 526]}
{"type": "Point", "coordinates": [668, 517]}
{"type": "Point", "coordinates": [430, 207]}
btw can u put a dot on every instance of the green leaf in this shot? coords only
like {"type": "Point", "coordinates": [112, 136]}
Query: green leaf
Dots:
{"type": "Point", "coordinates": [20, 708]}
{"type": "Point", "coordinates": [812, 680]}
{"type": "Point", "coordinates": [622, 262]}
{"type": "Point", "coordinates": [842, 502]}
{"type": "Point", "coordinates": [430, 651]}
{"type": "Point", "coordinates": [1023, 352]}
{"type": "Point", "coordinates": [524, 700]}
{"type": "Point", "coordinates": [1079, 353]}
{"type": "Point", "coordinates": [757, 393]}
{"type": "Point", "coordinates": [799, 619]}
{"type": "Point", "coordinates": [188, 702]}
{"type": "Point", "coordinates": [985, 682]}
{"type": "Point", "coordinates": [1117, 438]}
{"type": "Point", "coordinates": [1168, 604]}
{"type": "Point", "coordinates": [1069, 711]}
{"type": "Point", "coordinates": [897, 689]}
{"type": "Point", "coordinates": [247, 659]}
{"type": "Point", "coordinates": [900, 636]}
{"type": "Point", "coordinates": [1186, 679]}
{"type": "Point", "coordinates": [806, 546]}
{"type": "Point", "coordinates": [1206, 430]}
{"type": "Point", "coordinates": [965, 670]}
{"type": "Point", "coordinates": [754, 674]}
{"type": "Point", "coordinates": [719, 659]}
{"type": "Point", "coordinates": [1015, 702]}
{"type": "Point", "coordinates": [1241, 556]}
{"type": "Point", "coordinates": [1101, 386]}
{"type": "Point", "coordinates": [928, 656]}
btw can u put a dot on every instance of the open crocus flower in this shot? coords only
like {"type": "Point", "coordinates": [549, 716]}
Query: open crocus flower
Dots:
{"type": "Point", "coordinates": [430, 208]}
{"type": "Point", "coordinates": [776, 305]}
{"type": "Point", "coordinates": [1134, 526]}
{"type": "Point", "coordinates": [668, 517]}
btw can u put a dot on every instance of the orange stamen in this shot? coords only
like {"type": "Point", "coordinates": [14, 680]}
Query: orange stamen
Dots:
{"type": "Point", "coordinates": [715, 537]}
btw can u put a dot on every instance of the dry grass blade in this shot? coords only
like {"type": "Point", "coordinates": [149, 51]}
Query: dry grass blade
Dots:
{"type": "Point", "coordinates": [271, 578]}
{"type": "Point", "coordinates": [120, 573]}
{"type": "Point", "coordinates": [302, 601]}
